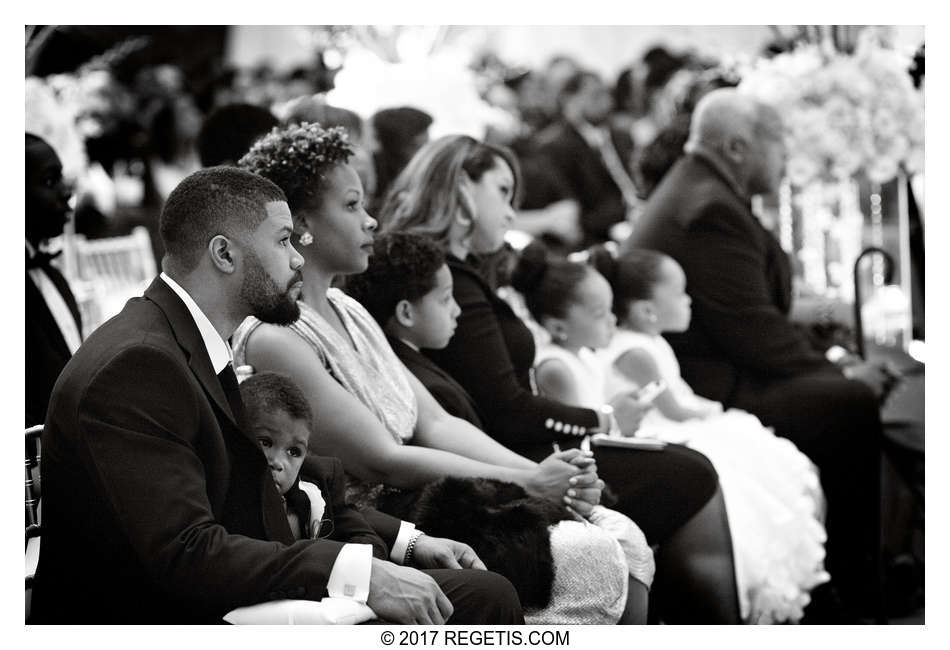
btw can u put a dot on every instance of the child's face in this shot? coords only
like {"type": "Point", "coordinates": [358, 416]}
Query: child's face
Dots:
{"type": "Point", "coordinates": [591, 323]}
{"type": "Point", "coordinates": [670, 299]}
{"type": "Point", "coordinates": [435, 314]}
{"type": "Point", "coordinates": [284, 440]}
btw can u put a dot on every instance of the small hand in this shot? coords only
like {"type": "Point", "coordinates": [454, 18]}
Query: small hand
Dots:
{"type": "Point", "coordinates": [444, 553]}
{"type": "Point", "coordinates": [629, 412]}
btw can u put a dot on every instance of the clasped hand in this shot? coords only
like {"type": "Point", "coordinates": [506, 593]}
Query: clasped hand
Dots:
{"type": "Point", "coordinates": [569, 477]}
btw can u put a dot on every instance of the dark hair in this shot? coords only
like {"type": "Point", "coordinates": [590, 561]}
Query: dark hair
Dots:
{"type": "Point", "coordinates": [574, 84]}
{"type": "Point", "coordinates": [632, 276]}
{"type": "Point", "coordinates": [213, 201]}
{"type": "Point", "coordinates": [402, 267]}
{"type": "Point", "coordinates": [396, 130]}
{"type": "Point", "coordinates": [655, 159]}
{"type": "Point", "coordinates": [297, 158]}
{"type": "Point", "coordinates": [228, 132]}
{"type": "Point", "coordinates": [309, 109]}
{"type": "Point", "coordinates": [396, 127]}
{"type": "Point", "coordinates": [549, 285]}
{"type": "Point", "coordinates": [268, 392]}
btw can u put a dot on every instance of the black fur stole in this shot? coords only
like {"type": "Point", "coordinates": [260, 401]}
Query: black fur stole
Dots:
{"type": "Point", "coordinates": [500, 521]}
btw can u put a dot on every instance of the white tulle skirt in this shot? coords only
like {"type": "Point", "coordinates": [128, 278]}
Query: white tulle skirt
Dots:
{"type": "Point", "coordinates": [775, 507]}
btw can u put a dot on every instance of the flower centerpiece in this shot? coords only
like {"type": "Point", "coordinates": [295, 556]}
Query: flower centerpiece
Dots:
{"type": "Point", "coordinates": [844, 112]}
{"type": "Point", "coordinates": [852, 115]}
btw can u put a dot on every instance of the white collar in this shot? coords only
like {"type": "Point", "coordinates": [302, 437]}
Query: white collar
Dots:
{"type": "Point", "coordinates": [218, 350]}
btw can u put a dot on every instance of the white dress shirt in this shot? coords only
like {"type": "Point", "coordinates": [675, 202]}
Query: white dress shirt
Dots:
{"type": "Point", "coordinates": [57, 305]}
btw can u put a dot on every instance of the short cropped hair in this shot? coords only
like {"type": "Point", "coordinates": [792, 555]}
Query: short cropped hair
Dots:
{"type": "Point", "coordinates": [229, 131]}
{"type": "Point", "coordinates": [402, 267]}
{"type": "Point", "coordinates": [270, 392]}
{"type": "Point", "coordinates": [214, 201]}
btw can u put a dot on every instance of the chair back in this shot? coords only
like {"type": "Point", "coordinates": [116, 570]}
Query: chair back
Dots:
{"type": "Point", "coordinates": [116, 262]}
{"type": "Point", "coordinates": [32, 509]}
{"type": "Point", "coordinates": [109, 271]}
{"type": "Point", "coordinates": [32, 475]}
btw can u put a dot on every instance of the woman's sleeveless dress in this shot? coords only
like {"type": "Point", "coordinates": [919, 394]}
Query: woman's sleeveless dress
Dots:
{"type": "Point", "coordinates": [772, 493]}
{"type": "Point", "coordinates": [590, 583]}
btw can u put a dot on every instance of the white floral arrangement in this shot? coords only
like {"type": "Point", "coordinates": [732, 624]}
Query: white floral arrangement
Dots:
{"type": "Point", "coordinates": [843, 113]}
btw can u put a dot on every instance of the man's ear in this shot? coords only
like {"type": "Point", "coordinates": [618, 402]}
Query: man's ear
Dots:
{"type": "Point", "coordinates": [736, 150]}
{"type": "Point", "coordinates": [405, 314]}
{"type": "Point", "coordinates": [222, 253]}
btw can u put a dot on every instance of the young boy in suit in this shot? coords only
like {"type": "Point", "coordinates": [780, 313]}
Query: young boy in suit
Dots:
{"type": "Point", "coordinates": [279, 417]}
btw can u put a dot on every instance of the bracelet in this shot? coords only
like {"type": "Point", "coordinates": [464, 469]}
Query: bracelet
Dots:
{"type": "Point", "coordinates": [608, 423]}
{"type": "Point", "coordinates": [411, 546]}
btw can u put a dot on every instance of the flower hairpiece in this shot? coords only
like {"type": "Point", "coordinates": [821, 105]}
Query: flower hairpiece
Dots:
{"type": "Point", "coordinates": [296, 157]}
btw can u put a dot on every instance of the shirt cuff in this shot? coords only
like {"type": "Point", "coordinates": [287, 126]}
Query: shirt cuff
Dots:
{"type": "Point", "coordinates": [398, 552]}
{"type": "Point", "coordinates": [350, 575]}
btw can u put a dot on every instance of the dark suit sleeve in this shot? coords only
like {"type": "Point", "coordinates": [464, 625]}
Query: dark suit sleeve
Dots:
{"type": "Point", "coordinates": [139, 441]}
{"type": "Point", "coordinates": [478, 358]}
{"type": "Point", "coordinates": [349, 524]}
{"type": "Point", "coordinates": [734, 304]}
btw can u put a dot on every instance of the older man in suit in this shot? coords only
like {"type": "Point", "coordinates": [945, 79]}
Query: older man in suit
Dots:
{"type": "Point", "coordinates": [741, 348]}
{"type": "Point", "coordinates": [159, 505]}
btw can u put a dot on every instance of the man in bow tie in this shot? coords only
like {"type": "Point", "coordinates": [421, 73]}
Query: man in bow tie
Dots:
{"type": "Point", "coordinates": [53, 323]}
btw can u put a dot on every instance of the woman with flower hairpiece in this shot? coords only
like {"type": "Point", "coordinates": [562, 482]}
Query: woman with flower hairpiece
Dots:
{"type": "Point", "coordinates": [389, 432]}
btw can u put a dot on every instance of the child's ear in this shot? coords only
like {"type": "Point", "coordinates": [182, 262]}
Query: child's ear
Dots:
{"type": "Point", "coordinates": [405, 314]}
{"type": "Point", "coordinates": [642, 311]}
{"type": "Point", "coordinates": [556, 327]}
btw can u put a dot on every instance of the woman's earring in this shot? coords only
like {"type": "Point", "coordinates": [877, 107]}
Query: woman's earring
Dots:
{"type": "Point", "coordinates": [306, 238]}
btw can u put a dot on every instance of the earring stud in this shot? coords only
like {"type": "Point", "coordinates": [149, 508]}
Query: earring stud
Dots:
{"type": "Point", "coordinates": [306, 238]}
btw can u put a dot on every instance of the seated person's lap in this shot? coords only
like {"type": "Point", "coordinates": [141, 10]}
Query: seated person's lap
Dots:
{"type": "Point", "coordinates": [660, 490]}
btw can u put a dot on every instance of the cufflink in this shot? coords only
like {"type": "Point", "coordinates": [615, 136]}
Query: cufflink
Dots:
{"type": "Point", "coordinates": [349, 590]}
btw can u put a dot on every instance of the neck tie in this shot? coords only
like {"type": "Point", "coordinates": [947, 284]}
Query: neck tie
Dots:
{"type": "Point", "coordinates": [229, 383]}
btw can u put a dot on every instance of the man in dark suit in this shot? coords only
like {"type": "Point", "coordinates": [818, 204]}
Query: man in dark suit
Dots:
{"type": "Point", "coordinates": [741, 348]}
{"type": "Point", "coordinates": [53, 324]}
{"type": "Point", "coordinates": [580, 157]}
{"type": "Point", "coordinates": [158, 504]}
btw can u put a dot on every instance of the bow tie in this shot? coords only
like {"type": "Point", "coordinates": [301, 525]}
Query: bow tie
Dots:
{"type": "Point", "coordinates": [42, 259]}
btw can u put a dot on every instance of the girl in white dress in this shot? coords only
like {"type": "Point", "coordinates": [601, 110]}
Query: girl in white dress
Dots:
{"type": "Point", "coordinates": [771, 489]}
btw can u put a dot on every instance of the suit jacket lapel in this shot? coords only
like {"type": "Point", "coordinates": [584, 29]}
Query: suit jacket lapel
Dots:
{"type": "Point", "coordinates": [36, 307]}
{"type": "Point", "coordinates": [189, 338]}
